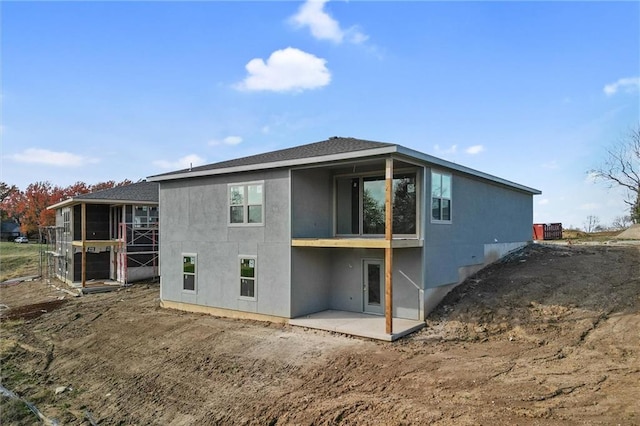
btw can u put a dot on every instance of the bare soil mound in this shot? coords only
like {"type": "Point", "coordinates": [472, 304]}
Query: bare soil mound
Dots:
{"type": "Point", "coordinates": [632, 233]}
{"type": "Point", "coordinates": [548, 336]}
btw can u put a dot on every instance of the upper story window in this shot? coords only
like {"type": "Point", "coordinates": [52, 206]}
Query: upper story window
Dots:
{"type": "Point", "coordinates": [145, 217]}
{"type": "Point", "coordinates": [246, 203]}
{"type": "Point", "coordinates": [440, 197]}
{"type": "Point", "coordinates": [66, 220]}
{"type": "Point", "coordinates": [360, 205]}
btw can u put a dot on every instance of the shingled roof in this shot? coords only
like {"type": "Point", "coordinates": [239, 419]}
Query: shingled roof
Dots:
{"type": "Point", "coordinates": [332, 146]}
{"type": "Point", "coordinates": [137, 193]}
{"type": "Point", "coordinates": [333, 149]}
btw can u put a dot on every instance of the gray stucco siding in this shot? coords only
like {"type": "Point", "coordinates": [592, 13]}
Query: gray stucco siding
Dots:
{"type": "Point", "coordinates": [483, 213]}
{"type": "Point", "coordinates": [197, 222]}
{"type": "Point", "coordinates": [312, 203]}
{"type": "Point", "coordinates": [347, 279]}
{"type": "Point", "coordinates": [310, 280]}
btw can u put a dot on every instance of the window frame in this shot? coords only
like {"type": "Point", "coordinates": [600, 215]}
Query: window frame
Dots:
{"type": "Point", "coordinates": [450, 198]}
{"type": "Point", "coordinates": [254, 278]}
{"type": "Point", "coordinates": [245, 203]}
{"type": "Point", "coordinates": [194, 273]}
{"type": "Point", "coordinates": [398, 173]}
{"type": "Point", "coordinates": [150, 220]}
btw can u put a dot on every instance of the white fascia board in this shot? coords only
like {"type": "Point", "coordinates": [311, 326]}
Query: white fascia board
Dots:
{"type": "Point", "coordinates": [278, 164]}
{"type": "Point", "coordinates": [463, 169]}
{"type": "Point", "coordinates": [75, 201]}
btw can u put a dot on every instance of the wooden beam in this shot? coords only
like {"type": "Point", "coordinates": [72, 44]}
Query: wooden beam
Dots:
{"type": "Point", "coordinates": [83, 227]}
{"type": "Point", "coordinates": [96, 243]}
{"type": "Point", "coordinates": [388, 251]}
{"type": "Point", "coordinates": [351, 242]}
{"type": "Point", "coordinates": [340, 242]}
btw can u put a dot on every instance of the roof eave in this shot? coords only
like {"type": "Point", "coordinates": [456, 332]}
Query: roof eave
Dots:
{"type": "Point", "coordinates": [466, 170]}
{"type": "Point", "coordinates": [277, 164]}
{"type": "Point", "coordinates": [75, 201]}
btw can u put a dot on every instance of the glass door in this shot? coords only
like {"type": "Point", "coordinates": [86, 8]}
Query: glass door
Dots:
{"type": "Point", "coordinates": [373, 286]}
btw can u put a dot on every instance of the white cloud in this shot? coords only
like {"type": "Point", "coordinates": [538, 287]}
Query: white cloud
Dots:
{"type": "Point", "coordinates": [628, 85]}
{"type": "Point", "coordinates": [51, 158]}
{"type": "Point", "coordinates": [475, 149]}
{"type": "Point", "coordinates": [445, 151]}
{"type": "Point", "coordinates": [322, 26]}
{"type": "Point", "coordinates": [229, 140]}
{"type": "Point", "coordinates": [543, 202]}
{"type": "Point", "coordinates": [286, 70]}
{"type": "Point", "coordinates": [551, 165]}
{"type": "Point", "coordinates": [185, 162]}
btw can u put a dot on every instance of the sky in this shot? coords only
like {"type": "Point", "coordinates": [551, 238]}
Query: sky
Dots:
{"type": "Point", "coordinates": [532, 92]}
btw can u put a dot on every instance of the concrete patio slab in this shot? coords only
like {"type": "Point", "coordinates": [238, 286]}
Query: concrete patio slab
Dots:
{"type": "Point", "coordinates": [357, 324]}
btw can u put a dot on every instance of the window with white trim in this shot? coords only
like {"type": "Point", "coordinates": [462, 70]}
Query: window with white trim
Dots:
{"type": "Point", "coordinates": [248, 277]}
{"type": "Point", "coordinates": [246, 203]}
{"type": "Point", "coordinates": [440, 197]}
{"type": "Point", "coordinates": [189, 261]}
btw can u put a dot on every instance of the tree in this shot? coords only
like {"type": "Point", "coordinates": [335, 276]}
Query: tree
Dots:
{"type": "Point", "coordinates": [373, 214]}
{"type": "Point", "coordinates": [5, 191]}
{"type": "Point", "coordinates": [591, 223]}
{"type": "Point", "coordinates": [621, 167]}
{"type": "Point", "coordinates": [621, 222]}
{"type": "Point", "coordinates": [29, 207]}
{"type": "Point", "coordinates": [404, 206]}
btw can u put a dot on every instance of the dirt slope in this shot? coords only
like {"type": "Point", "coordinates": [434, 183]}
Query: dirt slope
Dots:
{"type": "Point", "coordinates": [550, 337]}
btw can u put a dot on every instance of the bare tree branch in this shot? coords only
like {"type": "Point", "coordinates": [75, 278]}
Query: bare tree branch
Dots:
{"type": "Point", "coordinates": [621, 167]}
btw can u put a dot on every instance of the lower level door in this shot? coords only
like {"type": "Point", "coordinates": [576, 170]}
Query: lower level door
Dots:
{"type": "Point", "coordinates": [373, 285]}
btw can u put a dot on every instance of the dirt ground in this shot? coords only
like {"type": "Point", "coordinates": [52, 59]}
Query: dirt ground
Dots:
{"type": "Point", "coordinates": [550, 336]}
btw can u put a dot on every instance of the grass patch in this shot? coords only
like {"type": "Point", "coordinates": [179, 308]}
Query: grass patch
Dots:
{"type": "Point", "coordinates": [15, 412]}
{"type": "Point", "coordinates": [19, 260]}
{"type": "Point", "coordinates": [577, 235]}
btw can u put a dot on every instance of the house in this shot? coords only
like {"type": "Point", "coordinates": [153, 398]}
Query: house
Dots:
{"type": "Point", "coordinates": [289, 234]}
{"type": "Point", "coordinates": [107, 235]}
{"type": "Point", "coordinates": [9, 230]}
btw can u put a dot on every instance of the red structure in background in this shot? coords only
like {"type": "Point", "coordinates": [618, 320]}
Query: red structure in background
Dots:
{"type": "Point", "coordinates": [547, 231]}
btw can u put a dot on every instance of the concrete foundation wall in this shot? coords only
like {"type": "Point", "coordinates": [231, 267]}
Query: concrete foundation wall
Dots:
{"type": "Point", "coordinates": [141, 273]}
{"type": "Point", "coordinates": [195, 221]}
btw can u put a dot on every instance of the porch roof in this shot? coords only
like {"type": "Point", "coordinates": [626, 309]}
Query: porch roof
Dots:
{"type": "Point", "coordinates": [141, 193]}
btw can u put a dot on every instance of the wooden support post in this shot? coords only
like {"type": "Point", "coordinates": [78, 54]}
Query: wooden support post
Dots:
{"type": "Point", "coordinates": [83, 227]}
{"type": "Point", "coordinates": [388, 251]}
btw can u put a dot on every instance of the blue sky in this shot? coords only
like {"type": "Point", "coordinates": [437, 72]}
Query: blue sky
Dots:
{"type": "Point", "coordinates": [533, 92]}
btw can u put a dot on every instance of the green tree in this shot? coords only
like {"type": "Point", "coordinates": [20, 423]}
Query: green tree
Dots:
{"type": "Point", "coordinates": [404, 206]}
{"type": "Point", "coordinates": [373, 214]}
